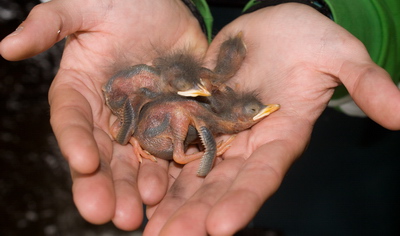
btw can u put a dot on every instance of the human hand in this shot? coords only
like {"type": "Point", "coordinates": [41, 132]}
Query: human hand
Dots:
{"type": "Point", "coordinates": [103, 36]}
{"type": "Point", "coordinates": [296, 57]}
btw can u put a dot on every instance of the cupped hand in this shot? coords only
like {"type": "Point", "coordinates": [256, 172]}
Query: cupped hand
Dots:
{"type": "Point", "coordinates": [102, 37]}
{"type": "Point", "coordinates": [295, 57]}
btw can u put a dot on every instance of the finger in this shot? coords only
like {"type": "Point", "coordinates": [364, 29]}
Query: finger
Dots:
{"type": "Point", "coordinates": [72, 123]}
{"type": "Point", "coordinates": [182, 189]}
{"type": "Point", "coordinates": [129, 208]}
{"type": "Point", "coordinates": [373, 91]}
{"type": "Point", "coordinates": [153, 181]}
{"type": "Point", "coordinates": [258, 179]}
{"type": "Point", "coordinates": [277, 141]}
{"type": "Point", "coordinates": [94, 193]}
{"type": "Point", "coordinates": [190, 219]}
{"type": "Point", "coordinates": [173, 172]}
{"type": "Point", "coordinates": [46, 24]}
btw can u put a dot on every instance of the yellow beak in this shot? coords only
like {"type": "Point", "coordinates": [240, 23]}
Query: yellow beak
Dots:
{"type": "Point", "coordinates": [200, 91]}
{"type": "Point", "coordinates": [266, 111]}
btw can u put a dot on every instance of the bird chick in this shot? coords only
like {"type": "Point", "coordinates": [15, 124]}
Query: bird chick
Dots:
{"type": "Point", "coordinates": [168, 125]}
{"type": "Point", "coordinates": [128, 90]}
{"type": "Point", "coordinates": [235, 113]}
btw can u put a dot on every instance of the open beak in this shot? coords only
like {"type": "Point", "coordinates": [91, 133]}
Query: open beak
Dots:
{"type": "Point", "coordinates": [199, 91]}
{"type": "Point", "coordinates": [266, 111]}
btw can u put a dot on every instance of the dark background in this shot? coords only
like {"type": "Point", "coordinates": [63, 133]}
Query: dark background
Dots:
{"type": "Point", "coordinates": [346, 183]}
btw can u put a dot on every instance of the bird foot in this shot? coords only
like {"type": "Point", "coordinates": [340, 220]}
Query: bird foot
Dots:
{"type": "Point", "coordinates": [224, 145]}
{"type": "Point", "coordinates": [139, 152]}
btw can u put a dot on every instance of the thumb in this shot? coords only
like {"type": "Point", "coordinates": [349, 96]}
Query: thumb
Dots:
{"type": "Point", "coordinates": [46, 24]}
{"type": "Point", "coordinates": [373, 90]}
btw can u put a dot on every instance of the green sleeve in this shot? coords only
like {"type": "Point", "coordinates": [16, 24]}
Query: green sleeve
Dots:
{"type": "Point", "coordinates": [376, 23]}
{"type": "Point", "coordinates": [205, 12]}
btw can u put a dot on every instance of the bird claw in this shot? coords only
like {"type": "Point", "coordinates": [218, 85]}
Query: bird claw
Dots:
{"type": "Point", "coordinates": [224, 145]}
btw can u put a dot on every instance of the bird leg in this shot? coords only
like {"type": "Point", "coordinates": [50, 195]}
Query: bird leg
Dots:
{"type": "Point", "coordinates": [180, 156]}
{"type": "Point", "coordinates": [139, 152]}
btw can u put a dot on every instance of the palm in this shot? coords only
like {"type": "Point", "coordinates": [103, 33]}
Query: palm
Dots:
{"type": "Point", "coordinates": [295, 58]}
{"type": "Point", "coordinates": [119, 39]}
{"type": "Point", "coordinates": [297, 61]}
{"type": "Point", "coordinates": [291, 65]}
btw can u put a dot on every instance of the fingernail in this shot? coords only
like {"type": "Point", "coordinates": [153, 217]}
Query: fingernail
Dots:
{"type": "Point", "coordinates": [17, 31]}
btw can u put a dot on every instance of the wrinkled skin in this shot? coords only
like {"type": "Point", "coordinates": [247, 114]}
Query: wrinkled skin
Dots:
{"type": "Point", "coordinates": [295, 57]}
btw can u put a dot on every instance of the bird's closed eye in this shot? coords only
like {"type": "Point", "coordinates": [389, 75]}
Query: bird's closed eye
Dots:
{"type": "Point", "coordinates": [251, 109]}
